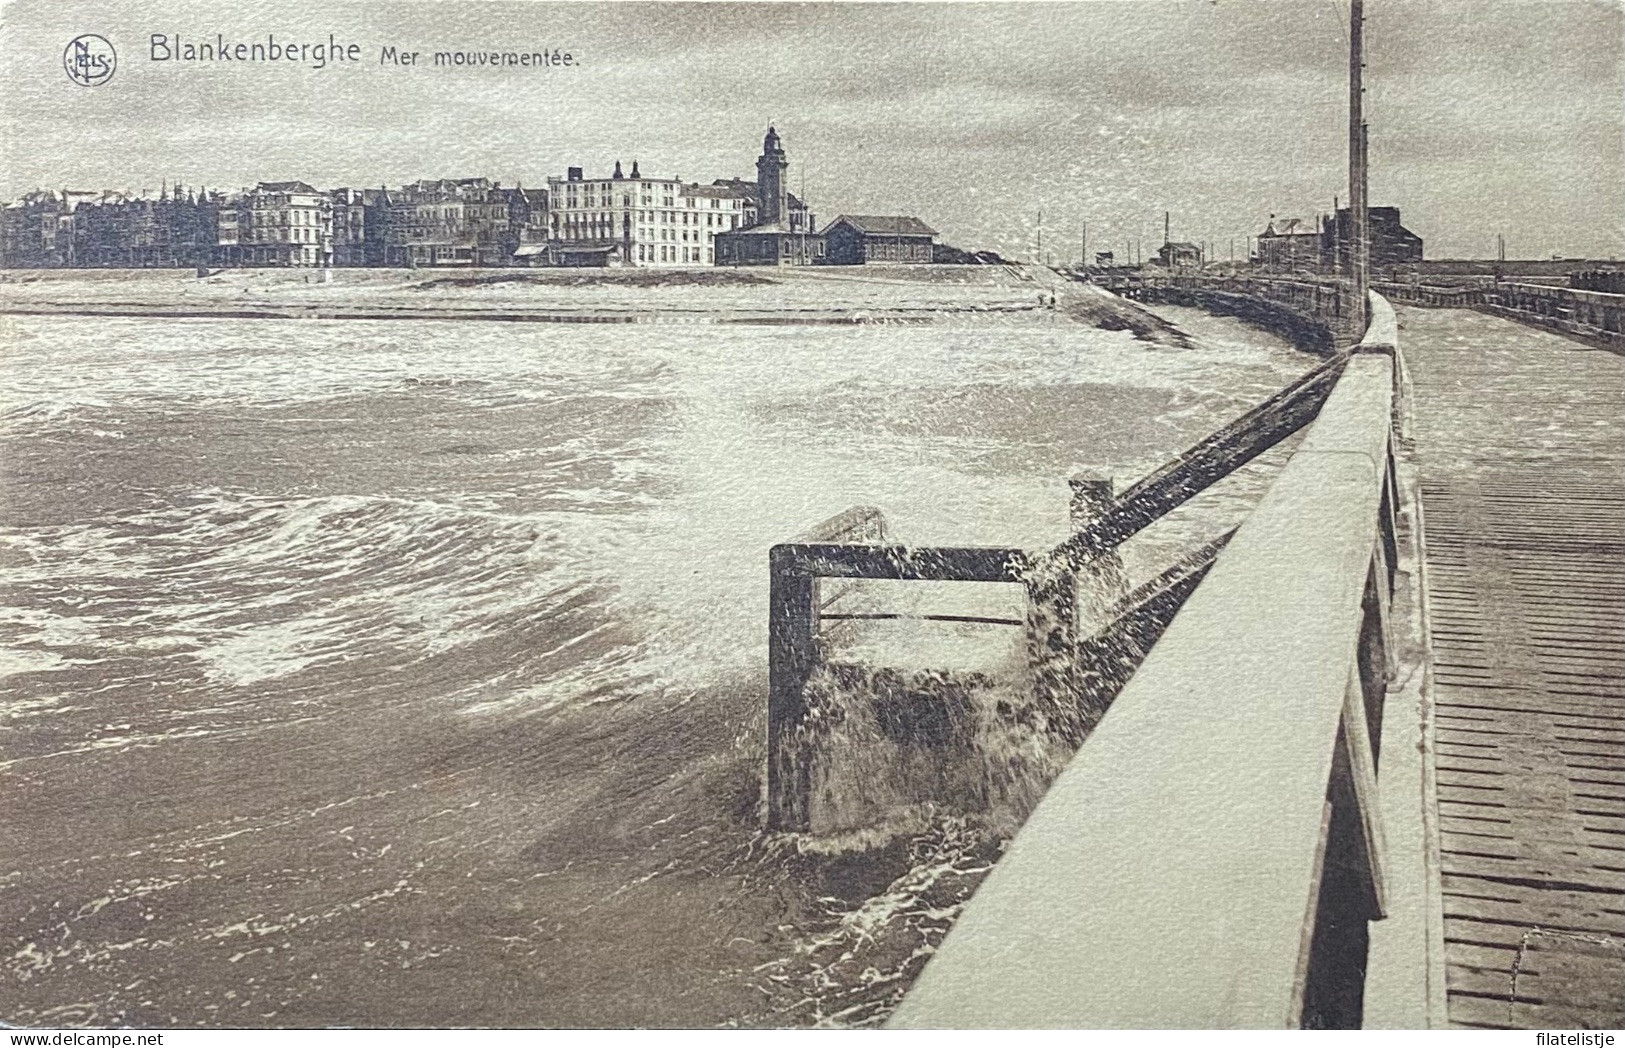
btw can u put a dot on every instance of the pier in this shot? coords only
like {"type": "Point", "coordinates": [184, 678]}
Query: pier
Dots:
{"type": "Point", "coordinates": [1373, 772]}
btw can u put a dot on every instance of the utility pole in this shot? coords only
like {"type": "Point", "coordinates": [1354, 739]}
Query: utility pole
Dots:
{"type": "Point", "coordinates": [1083, 246]}
{"type": "Point", "coordinates": [1040, 236]}
{"type": "Point", "coordinates": [1359, 231]}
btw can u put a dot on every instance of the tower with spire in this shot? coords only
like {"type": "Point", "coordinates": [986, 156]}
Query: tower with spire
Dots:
{"type": "Point", "coordinates": [771, 170]}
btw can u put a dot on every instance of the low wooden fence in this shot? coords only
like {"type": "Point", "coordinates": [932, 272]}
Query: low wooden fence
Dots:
{"type": "Point", "coordinates": [1071, 602]}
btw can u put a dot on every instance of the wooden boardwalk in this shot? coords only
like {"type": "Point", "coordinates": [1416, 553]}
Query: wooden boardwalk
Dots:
{"type": "Point", "coordinates": [1520, 447]}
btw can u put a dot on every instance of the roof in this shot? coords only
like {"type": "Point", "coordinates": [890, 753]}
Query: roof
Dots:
{"type": "Point", "coordinates": [719, 192]}
{"type": "Point", "coordinates": [1179, 245]}
{"type": "Point", "coordinates": [565, 179]}
{"type": "Point", "coordinates": [285, 187]}
{"type": "Point", "coordinates": [892, 225]}
{"type": "Point", "coordinates": [751, 190]}
{"type": "Point", "coordinates": [768, 228]}
{"type": "Point", "coordinates": [1289, 227]}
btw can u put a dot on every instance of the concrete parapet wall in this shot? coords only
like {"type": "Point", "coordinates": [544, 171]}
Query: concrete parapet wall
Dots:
{"type": "Point", "coordinates": [1209, 857]}
{"type": "Point", "coordinates": [1309, 314]}
{"type": "Point", "coordinates": [1593, 316]}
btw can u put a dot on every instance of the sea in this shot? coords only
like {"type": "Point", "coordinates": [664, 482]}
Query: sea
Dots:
{"type": "Point", "coordinates": [412, 672]}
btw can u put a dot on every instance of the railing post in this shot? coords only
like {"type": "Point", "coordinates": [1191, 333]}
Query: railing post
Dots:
{"type": "Point", "coordinates": [1091, 494]}
{"type": "Point", "coordinates": [1052, 647]}
{"type": "Point", "coordinates": [791, 652]}
{"type": "Point", "coordinates": [1065, 603]}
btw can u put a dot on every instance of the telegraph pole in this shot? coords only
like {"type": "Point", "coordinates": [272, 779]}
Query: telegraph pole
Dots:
{"type": "Point", "coordinates": [1359, 231]}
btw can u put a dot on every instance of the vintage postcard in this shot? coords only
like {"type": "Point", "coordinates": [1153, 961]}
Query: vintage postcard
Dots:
{"type": "Point", "coordinates": [1100, 515]}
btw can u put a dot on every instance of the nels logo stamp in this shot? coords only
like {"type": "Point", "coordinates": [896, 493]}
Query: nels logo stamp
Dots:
{"type": "Point", "coordinates": [90, 60]}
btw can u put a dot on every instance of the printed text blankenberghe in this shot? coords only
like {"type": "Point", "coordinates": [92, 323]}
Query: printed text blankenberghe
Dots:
{"type": "Point", "coordinates": [173, 47]}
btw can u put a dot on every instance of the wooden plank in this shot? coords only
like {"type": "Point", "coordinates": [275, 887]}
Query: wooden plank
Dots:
{"type": "Point", "coordinates": [1489, 1012]}
{"type": "Point", "coordinates": [1550, 1015]}
{"type": "Point", "coordinates": [1470, 860]}
{"type": "Point", "coordinates": [1511, 904]}
{"type": "Point", "coordinates": [914, 563]}
{"type": "Point", "coordinates": [1481, 958]}
{"type": "Point", "coordinates": [1583, 972]}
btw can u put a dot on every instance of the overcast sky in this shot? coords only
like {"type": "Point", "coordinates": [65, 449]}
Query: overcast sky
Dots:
{"type": "Point", "coordinates": [1487, 116]}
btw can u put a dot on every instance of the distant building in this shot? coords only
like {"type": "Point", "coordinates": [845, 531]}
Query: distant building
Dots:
{"type": "Point", "coordinates": [1179, 254]}
{"type": "Point", "coordinates": [749, 193]}
{"type": "Point", "coordinates": [111, 229]}
{"type": "Point", "coordinates": [228, 223]}
{"type": "Point", "coordinates": [285, 224]}
{"type": "Point", "coordinates": [360, 226]}
{"type": "Point", "coordinates": [637, 220]}
{"type": "Point", "coordinates": [1289, 245]}
{"type": "Point", "coordinates": [855, 240]}
{"type": "Point", "coordinates": [778, 228]}
{"type": "Point", "coordinates": [31, 230]}
{"type": "Point", "coordinates": [527, 216]}
{"type": "Point", "coordinates": [1391, 243]}
{"type": "Point", "coordinates": [448, 222]}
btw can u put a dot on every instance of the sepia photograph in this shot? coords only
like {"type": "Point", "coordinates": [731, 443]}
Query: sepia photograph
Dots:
{"type": "Point", "coordinates": [638, 514]}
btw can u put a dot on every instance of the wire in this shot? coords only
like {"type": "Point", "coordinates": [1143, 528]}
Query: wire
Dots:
{"type": "Point", "coordinates": [1342, 19]}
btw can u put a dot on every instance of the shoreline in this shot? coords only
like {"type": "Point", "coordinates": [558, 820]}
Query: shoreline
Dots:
{"type": "Point", "coordinates": [894, 296]}
{"type": "Point", "coordinates": [592, 316]}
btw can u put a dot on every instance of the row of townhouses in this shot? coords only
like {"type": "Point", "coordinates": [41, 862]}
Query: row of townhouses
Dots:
{"type": "Point", "coordinates": [625, 219]}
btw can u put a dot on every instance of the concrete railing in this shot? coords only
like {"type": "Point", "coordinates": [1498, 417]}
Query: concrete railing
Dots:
{"type": "Point", "coordinates": [1594, 315]}
{"type": "Point", "coordinates": [1457, 297]}
{"type": "Point", "coordinates": [1080, 644]}
{"type": "Point", "coordinates": [1315, 314]}
{"type": "Point", "coordinates": [1211, 856]}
